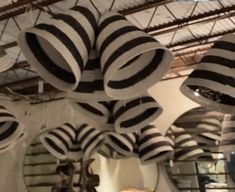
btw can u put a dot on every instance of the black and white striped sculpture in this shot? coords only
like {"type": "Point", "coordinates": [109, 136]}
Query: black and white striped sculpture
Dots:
{"type": "Point", "coordinates": [131, 60]}
{"type": "Point", "coordinates": [133, 114]}
{"type": "Point", "coordinates": [122, 145]}
{"type": "Point", "coordinates": [203, 123]}
{"type": "Point", "coordinates": [58, 49]}
{"type": "Point", "coordinates": [60, 140]}
{"type": "Point", "coordinates": [5, 61]}
{"type": "Point", "coordinates": [211, 84]}
{"type": "Point", "coordinates": [91, 85]}
{"type": "Point", "coordinates": [10, 128]}
{"type": "Point", "coordinates": [153, 147]}
{"type": "Point", "coordinates": [90, 139]}
{"type": "Point", "coordinates": [93, 112]}
{"type": "Point", "coordinates": [227, 144]}
{"type": "Point", "coordinates": [186, 146]}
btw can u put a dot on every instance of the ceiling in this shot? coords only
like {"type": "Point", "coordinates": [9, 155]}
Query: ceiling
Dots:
{"type": "Point", "coordinates": [187, 28]}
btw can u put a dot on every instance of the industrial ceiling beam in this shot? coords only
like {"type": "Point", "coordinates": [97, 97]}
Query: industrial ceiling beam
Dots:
{"type": "Point", "coordinates": [200, 39]}
{"type": "Point", "coordinates": [178, 24]}
{"type": "Point", "coordinates": [15, 9]}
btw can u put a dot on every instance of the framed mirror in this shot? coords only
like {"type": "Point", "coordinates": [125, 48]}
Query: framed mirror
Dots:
{"type": "Point", "coordinates": [43, 172]}
{"type": "Point", "coordinates": [199, 164]}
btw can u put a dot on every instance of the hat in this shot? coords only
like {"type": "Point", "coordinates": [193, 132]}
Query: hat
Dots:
{"type": "Point", "coordinates": [90, 139]}
{"type": "Point", "coordinates": [211, 84]}
{"type": "Point", "coordinates": [58, 49]}
{"type": "Point", "coordinates": [153, 147]}
{"type": "Point", "coordinates": [93, 112]}
{"type": "Point", "coordinates": [91, 85]}
{"type": "Point", "coordinates": [186, 147]}
{"type": "Point", "coordinates": [131, 60]}
{"type": "Point", "coordinates": [5, 61]}
{"type": "Point", "coordinates": [10, 128]}
{"type": "Point", "coordinates": [133, 114]}
{"type": "Point", "coordinates": [60, 140]}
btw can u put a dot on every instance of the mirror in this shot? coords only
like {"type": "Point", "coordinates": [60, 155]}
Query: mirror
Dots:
{"type": "Point", "coordinates": [198, 164]}
{"type": "Point", "coordinates": [43, 172]}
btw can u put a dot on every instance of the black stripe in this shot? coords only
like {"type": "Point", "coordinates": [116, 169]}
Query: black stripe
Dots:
{"type": "Point", "coordinates": [146, 128]}
{"type": "Point", "coordinates": [131, 104]}
{"type": "Point", "coordinates": [139, 118]}
{"type": "Point", "coordinates": [116, 34]}
{"type": "Point", "coordinates": [108, 21]}
{"type": "Point", "coordinates": [90, 87]}
{"type": "Point", "coordinates": [60, 35]}
{"type": "Point", "coordinates": [91, 141]}
{"type": "Point", "coordinates": [213, 59]}
{"type": "Point", "coordinates": [9, 131]}
{"type": "Point", "coordinates": [228, 142]}
{"type": "Point", "coordinates": [150, 136]}
{"type": "Point", "coordinates": [185, 151]}
{"type": "Point", "coordinates": [88, 14]}
{"type": "Point", "coordinates": [2, 107]}
{"type": "Point", "coordinates": [59, 137]}
{"type": "Point", "coordinates": [84, 137]}
{"type": "Point", "coordinates": [70, 126]}
{"type": "Point", "coordinates": [125, 48]}
{"type": "Point", "coordinates": [194, 124]}
{"type": "Point", "coordinates": [92, 64]}
{"type": "Point", "coordinates": [66, 133]}
{"type": "Point", "coordinates": [179, 143]}
{"type": "Point", "coordinates": [220, 44]}
{"type": "Point", "coordinates": [80, 129]}
{"type": "Point", "coordinates": [140, 75]}
{"type": "Point", "coordinates": [157, 155]}
{"type": "Point", "coordinates": [228, 130]}
{"type": "Point", "coordinates": [152, 147]}
{"type": "Point", "coordinates": [77, 27]}
{"type": "Point", "coordinates": [6, 115]}
{"type": "Point", "coordinates": [213, 76]}
{"type": "Point", "coordinates": [90, 109]}
{"type": "Point", "coordinates": [54, 146]}
{"type": "Point", "coordinates": [46, 62]}
{"type": "Point", "coordinates": [128, 138]}
{"type": "Point", "coordinates": [118, 143]}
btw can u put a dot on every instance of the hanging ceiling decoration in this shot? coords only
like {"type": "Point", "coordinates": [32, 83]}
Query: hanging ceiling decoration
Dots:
{"type": "Point", "coordinates": [58, 50]}
{"type": "Point", "coordinates": [211, 84]}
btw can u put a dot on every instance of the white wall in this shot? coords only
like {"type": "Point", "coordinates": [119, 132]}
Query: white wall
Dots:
{"type": "Point", "coordinates": [115, 175]}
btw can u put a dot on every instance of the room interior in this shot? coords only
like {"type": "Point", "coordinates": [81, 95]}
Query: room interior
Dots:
{"type": "Point", "coordinates": [41, 45]}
